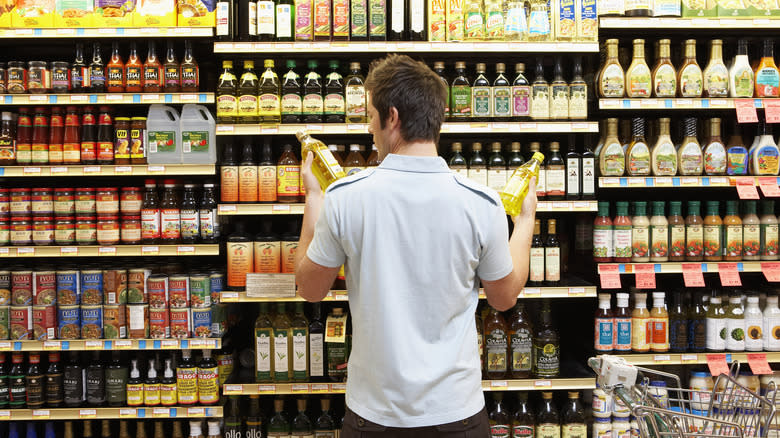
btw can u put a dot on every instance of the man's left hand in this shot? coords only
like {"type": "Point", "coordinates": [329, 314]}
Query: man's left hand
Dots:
{"type": "Point", "coordinates": [310, 182]}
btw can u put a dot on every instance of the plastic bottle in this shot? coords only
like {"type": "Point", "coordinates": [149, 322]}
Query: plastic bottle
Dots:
{"type": "Point", "coordinates": [659, 318]}
{"type": "Point", "coordinates": [754, 321]}
{"type": "Point", "coordinates": [771, 325]}
{"type": "Point", "coordinates": [640, 233]}
{"type": "Point", "coordinates": [163, 134]}
{"type": "Point", "coordinates": [603, 233]}
{"type": "Point", "coordinates": [640, 318]}
{"type": "Point", "coordinates": [325, 167]}
{"type": "Point", "coordinates": [735, 325]}
{"type": "Point", "coordinates": [716, 326]}
{"type": "Point", "coordinates": [769, 231]}
{"type": "Point", "coordinates": [516, 189]}
{"type": "Point", "coordinates": [764, 155]}
{"type": "Point", "coordinates": [604, 334]}
{"type": "Point", "coordinates": [198, 135]}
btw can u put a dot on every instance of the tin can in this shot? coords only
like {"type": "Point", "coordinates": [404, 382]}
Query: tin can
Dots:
{"type": "Point", "coordinates": [44, 288]}
{"type": "Point", "coordinates": [180, 323]}
{"type": "Point", "coordinates": [91, 322]}
{"type": "Point", "coordinates": [4, 322]}
{"type": "Point", "coordinates": [219, 320]}
{"type": "Point", "coordinates": [44, 323]}
{"type": "Point", "coordinates": [179, 291]}
{"type": "Point", "coordinates": [136, 286]}
{"type": "Point", "coordinates": [216, 285]}
{"type": "Point", "coordinates": [20, 318]}
{"type": "Point", "coordinates": [137, 317]}
{"type": "Point", "coordinates": [159, 324]}
{"type": "Point", "coordinates": [200, 291]}
{"type": "Point", "coordinates": [92, 287]}
{"type": "Point", "coordinates": [68, 288]}
{"type": "Point", "coordinates": [115, 286]}
{"type": "Point", "coordinates": [5, 288]}
{"type": "Point", "coordinates": [201, 322]}
{"type": "Point", "coordinates": [68, 322]}
{"type": "Point", "coordinates": [21, 288]}
{"type": "Point", "coordinates": [114, 326]}
{"type": "Point", "coordinates": [157, 291]}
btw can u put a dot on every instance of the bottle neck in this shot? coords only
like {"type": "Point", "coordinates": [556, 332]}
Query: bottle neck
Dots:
{"type": "Point", "coordinates": [612, 51]}
{"type": "Point", "coordinates": [716, 52]}
{"type": "Point", "coordinates": [690, 52]}
{"type": "Point", "coordinates": [639, 51]}
{"type": "Point", "coordinates": [664, 51]}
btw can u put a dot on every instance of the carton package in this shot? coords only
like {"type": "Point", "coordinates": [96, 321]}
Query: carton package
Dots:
{"type": "Point", "coordinates": [155, 13]}
{"type": "Point", "coordinates": [74, 13]}
{"type": "Point", "coordinates": [6, 8]}
{"type": "Point", "coordinates": [763, 8]}
{"type": "Point", "coordinates": [699, 8]}
{"type": "Point", "coordinates": [33, 13]}
{"type": "Point", "coordinates": [197, 13]}
{"type": "Point", "coordinates": [114, 13]}
{"type": "Point", "coordinates": [732, 8]}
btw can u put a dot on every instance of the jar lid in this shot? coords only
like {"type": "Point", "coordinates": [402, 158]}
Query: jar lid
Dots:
{"type": "Point", "coordinates": [63, 189]}
{"type": "Point", "coordinates": [43, 218]}
{"type": "Point", "coordinates": [105, 217]}
{"type": "Point", "coordinates": [20, 189]}
{"type": "Point", "coordinates": [620, 418]}
{"type": "Point", "coordinates": [131, 189]}
{"type": "Point", "coordinates": [121, 119]}
{"type": "Point", "coordinates": [85, 189]}
{"type": "Point", "coordinates": [133, 217]}
{"type": "Point", "coordinates": [139, 119]}
{"type": "Point", "coordinates": [85, 218]}
{"type": "Point", "coordinates": [64, 218]}
{"type": "Point", "coordinates": [658, 383]}
{"type": "Point", "coordinates": [20, 218]}
{"type": "Point", "coordinates": [107, 189]}
{"type": "Point", "coordinates": [41, 189]}
{"type": "Point", "coordinates": [699, 374]}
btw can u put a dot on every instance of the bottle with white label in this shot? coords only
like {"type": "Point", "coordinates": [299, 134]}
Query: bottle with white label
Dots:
{"type": "Point", "coordinates": [497, 172]}
{"type": "Point", "coordinates": [300, 344]}
{"type": "Point", "coordinates": [536, 269]}
{"type": "Point", "coordinates": [282, 345]}
{"type": "Point", "coordinates": [552, 256]}
{"type": "Point", "coordinates": [316, 344]}
{"type": "Point", "coordinates": [266, 12]}
{"type": "Point", "coordinates": [716, 326]}
{"type": "Point", "coordinates": [735, 325]}
{"type": "Point", "coordinates": [555, 173]}
{"type": "Point", "coordinates": [477, 165]}
{"type": "Point", "coordinates": [754, 321]}
{"type": "Point", "coordinates": [573, 172]}
{"type": "Point", "coordinates": [771, 325]}
{"type": "Point", "coordinates": [264, 335]}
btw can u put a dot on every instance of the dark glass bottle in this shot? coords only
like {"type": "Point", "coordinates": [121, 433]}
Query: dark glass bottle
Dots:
{"type": "Point", "coordinates": [227, 92]}
{"type": "Point", "coordinates": [574, 423]}
{"type": "Point", "coordinates": [79, 72]}
{"type": "Point", "coordinates": [313, 106]}
{"type": "Point", "coordinates": [16, 382]}
{"type": "Point", "coordinates": [417, 20]}
{"type": "Point", "coordinates": [5, 396]}
{"type": "Point", "coordinates": [247, 20]}
{"type": "Point", "coordinates": [97, 71]}
{"type": "Point", "coordinates": [555, 174]}
{"type": "Point", "coordinates": [523, 421]}
{"type": "Point", "coordinates": [552, 255]}
{"type": "Point", "coordinates": [500, 423]}
{"type": "Point", "coordinates": [254, 419]}
{"type": "Point", "coordinates": [588, 186]}
{"type": "Point", "coordinates": [325, 425]}
{"type": "Point", "coordinates": [333, 102]}
{"type": "Point", "coordinates": [116, 381]}
{"type": "Point", "coordinates": [397, 29]}
{"type": "Point", "coordinates": [278, 424]}
{"type": "Point", "coordinates": [73, 382]}
{"type": "Point", "coordinates": [189, 70]}
{"type": "Point", "coordinates": [190, 215]}
{"type": "Point", "coordinates": [170, 214]}
{"type": "Point", "coordinates": [438, 67]}
{"type": "Point", "coordinates": [34, 382]}
{"type": "Point", "coordinates": [96, 381]}
{"type": "Point", "coordinates": [88, 136]}
{"type": "Point", "coordinates": [233, 419]}
{"type": "Point", "coordinates": [238, 262]}
{"type": "Point", "coordinates": [480, 96]}
{"type": "Point", "coordinates": [520, 342]}
{"type": "Point", "coordinates": [301, 424]}
{"type": "Point", "coordinates": [54, 381]}
{"type": "Point", "coordinates": [292, 95]}
{"type": "Point", "coordinates": [317, 365]}
{"type": "Point", "coordinates": [496, 345]}
{"type": "Point", "coordinates": [697, 328]}
{"type": "Point", "coordinates": [548, 421]}
{"type": "Point", "coordinates": [546, 355]}
{"type": "Point", "coordinates": [536, 270]}
{"type": "Point", "coordinates": [573, 172]}
{"type": "Point", "coordinates": [460, 95]}
{"type": "Point", "coordinates": [209, 223]}
{"type": "Point", "coordinates": [171, 72]}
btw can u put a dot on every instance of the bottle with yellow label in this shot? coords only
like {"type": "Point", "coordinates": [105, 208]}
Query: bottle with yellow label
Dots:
{"type": "Point", "coordinates": [574, 424]}
{"type": "Point", "coordinates": [187, 379]}
{"type": "Point", "coordinates": [135, 386]}
{"type": "Point", "coordinates": [640, 328]}
{"type": "Point", "coordinates": [208, 380]}
{"type": "Point", "coordinates": [151, 386]}
{"type": "Point", "coordinates": [325, 167]}
{"type": "Point", "coordinates": [168, 393]}
{"type": "Point", "coordinates": [516, 189]}
{"type": "Point", "coordinates": [227, 105]}
{"type": "Point", "coordinates": [268, 103]}
{"type": "Point", "coordinates": [247, 95]}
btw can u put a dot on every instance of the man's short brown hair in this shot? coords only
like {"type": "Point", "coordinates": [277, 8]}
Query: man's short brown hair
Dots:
{"type": "Point", "coordinates": [414, 90]}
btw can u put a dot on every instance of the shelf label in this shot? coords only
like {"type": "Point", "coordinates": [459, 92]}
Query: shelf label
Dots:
{"type": "Point", "coordinates": [758, 363]}
{"type": "Point", "coordinates": [196, 412]}
{"type": "Point", "coordinates": [20, 32]}
{"type": "Point", "coordinates": [610, 276]}
{"type": "Point", "coordinates": [314, 127]}
{"type": "Point", "coordinates": [5, 346]}
{"type": "Point", "coordinates": [501, 126]}
{"type": "Point", "coordinates": [87, 413]}
{"type": "Point", "coordinates": [31, 170]}
{"type": "Point", "coordinates": [769, 186]}
{"type": "Point", "coordinates": [718, 102]}
{"type": "Point", "coordinates": [692, 275]}
{"type": "Point", "coordinates": [771, 271]}
{"type": "Point", "coordinates": [93, 345]}
{"type": "Point", "coordinates": [746, 188]}
{"type": "Point", "coordinates": [224, 208]}
{"type": "Point", "coordinates": [37, 98]}
{"type": "Point", "coordinates": [320, 388]}
{"type": "Point", "coordinates": [532, 291]}
{"type": "Point", "coordinates": [354, 127]}
{"type": "Point", "coordinates": [114, 97]}
{"type": "Point", "coordinates": [576, 291]}
{"type": "Point", "coordinates": [609, 182]}
{"type": "Point", "coordinates": [185, 250]}
{"type": "Point", "coordinates": [41, 414]}
{"type": "Point", "coordinates": [269, 130]}
{"type": "Point", "coordinates": [338, 387]}
{"type": "Point", "coordinates": [233, 389]}
{"type": "Point", "coordinates": [280, 208]}
{"type": "Point", "coordinates": [4, 252]}
{"type": "Point", "coordinates": [188, 97]}
{"type": "Point", "coordinates": [772, 111]}
{"type": "Point", "coordinates": [565, 206]}
{"type": "Point", "coordinates": [729, 276]}
{"type": "Point", "coordinates": [719, 181]}
{"type": "Point", "coordinates": [300, 387]}
{"type": "Point", "coordinates": [120, 170]}
{"type": "Point", "coordinates": [123, 345]}
{"type": "Point", "coordinates": [169, 343]}
{"type": "Point", "coordinates": [690, 182]}
{"type": "Point", "coordinates": [161, 412]}
{"type": "Point", "coordinates": [92, 169]}
{"type": "Point", "coordinates": [761, 22]}
{"type": "Point", "coordinates": [5, 415]}
{"type": "Point", "coordinates": [128, 413]}
{"type": "Point", "coordinates": [229, 296]}
{"type": "Point", "coordinates": [106, 31]}
{"type": "Point", "coordinates": [26, 250]}
{"type": "Point", "coordinates": [107, 250]}
{"type": "Point", "coordinates": [543, 383]}
{"type": "Point", "coordinates": [645, 276]}
{"type": "Point", "coordinates": [150, 250]}
{"type": "Point", "coordinates": [663, 181]}
{"type": "Point", "coordinates": [717, 364]}
{"type": "Point", "coordinates": [68, 250]}
{"type": "Point", "coordinates": [689, 358]}
{"type": "Point", "coordinates": [155, 168]}
{"type": "Point", "coordinates": [266, 389]}
{"type": "Point", "coordinates": [528, 126]}
{"type": "Point", "coordinates": [270, 285]}
{"type": "Point", "coordinates": [58, 170]}
{"type": "Point", "coordinates": [662, 358]}
{"type": "Point", "coordinates": [52, 345]}
{"type": "Point", "coordinates": [79, 98]}
{"type": "Point", "coordinates": [746, 111]}
{"type": "Point", "coordinates": [150, 98]}
{"type": "Point", "coordinates": [498, 384]}
{"type": "Point", "coordinates": [224, 128]}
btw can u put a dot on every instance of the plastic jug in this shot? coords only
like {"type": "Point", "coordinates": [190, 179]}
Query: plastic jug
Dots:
{"type": "Point", "coordinates": [163, 135]}
{"type": "Point", "coordinates": [198, 135]}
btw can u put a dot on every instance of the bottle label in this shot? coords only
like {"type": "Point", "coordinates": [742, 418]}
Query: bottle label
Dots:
{"type": "Point", "coordinates": [190, 223]}
{"type": "Point", "coordinates": [660, 333]}
{"type": "Point", "coordinates": [322, 17]}
{"type": "Point", "coordinates": [640, 241]}
{"type": "Point", "coordinates": [694, 240]}
{"type": "Point", "coordinates": [737, 160]}
{"type": "Point", "coordinates": [769, 239]}
{"type": "Point", "coordinates": [613, 159]}
{"type": "Point", "coordinates": [767, 158]}
{"type": "Point", "coordinates": [602, 241]}
{"type": "Point", "coordinates": [548, 431]}
{"type": "Point", "coordinates": [316, 355]}
{"type": "Point", "coordinates": [300, 351]}
{"type": "Point", "coordinates": [548, 361]}
{"type": "Point", "coordinates": [208, 385]}
{"type": "Point", "coordinates": [356, 101]}
{"type": "Point", "coordinates": [135, 394]}
{"type": "Point", "coordinates": [712, 236]}
{"type": "Point", "coordinates": [578, 101]}
{"type": "Point", "coordinates": [716, 81]}
{"type": "Point", "coordinates": [168, 394]}
{"type": "Point", "coordinates": [572, 176]}
{"type": "Point", "coordinates": [288, 180]}
{"type": "Point", "coordinates": [334, 104]}
{"type": "Point", "coordinates": [480, 101]}
{"type": "Point", "coordinates": [555, 181]}
{"type": "Point", "coordinates": [612, 82]}
{"type": "Point", "coordinates": [523, 431]}
{"type": "Point", "coordinates": [743, 81]}
{"type": "Point", "coordinates": [170, 223]}
{"type": "Point", "coordinates": [150, 223]}
{"type": "Point", "coordinates": [223, 18]}
{"type": "Point", "coordinates": [187, 385]}
{"type": "Point", "coordinates": [227, 106]}
{"type": "Point", "coordinates": [521, 95]}
{"type": "Point", "coordinates": [733, 240]}
{"type": "Point", "coordinates": [151, 394]}
{"type": "Point", "coordinates": [521, 349]}
{"type": "Point", "coordinates": [494, 25]}
{"type": "Point", "coordinates": [639, 159]}
{"type": "Point", "coordinates": [377, 20]}
{"type": "Point", "coordinates": [622, 334]}
{"type": "Point", "coordinates": [53, 385]}
{"type": "Point", "coordinates": [665, 81]}
{"type": "Point", "coordinates": [269, 105]}
{"type": "Point", "coordinates": [622, 236]}
{"type": "Point", "coordinates": [460, 96]}
{"type": "Point", "coordinates": [604, 334]}
{"type": "Point", "coordinates": [715, 159]}
{"type": "Point", "coordinates": [239, 263]}
{"type": "Point", "coordinates": [312, 104]}
{"type": "Point", "coordinates": [767, 82]}
{"type": "Point", "coordinates": [247, 105]}
{"type": "Point", "coordinates": [496, 345]}
{"type": "Point", "coordinates": [552, 264]}
{"type": "Point", "coordinates": [341, 18]}
{"type": "Point", "coordinates": [659, 241]}
{"type": "Point", "coordinates": [536, 271]}
{"type": "Point", "coordinates": [516, 22]}
{"type": "Point", "coordinates": [574, 430]}
{"type": "Point", "coordinates": [677, 241]}
{"type": "Point", "coordinates": [540, 102]}
{"type": "Point", "coordinates": [281, 350]}
{"type": "Point", "coordinates": [735, 334]}
{"type": "Point", "coordinates": [265, 17]}
{"type": "Point", "coordinates": [291, 104]}
{"type": "Point", "coordinates": [479, 175]}
{"type": "Point", "coordinates": [502, 97]}
{"type": "Point", "coordinates": [304, 26]}
{"type": "Point", "coordinates": [588, 176]}
{"type": "Point", "coordinates": [751, 239]}
{"type": "Point", "coordinates": [359, 18]}
{"type": "Point", "coordinates": [639, 80]}
{"type": "Point", "coordinates": [691, 81]}
{"type": "Point", "coordinates": [263, 355]}
{"type": "Point", "coordinates": [640, 335]}
{"type": "Point", "coordinates": [500, 431]}
{"type": "Point", "coordinates": [559, 106]}
{"type": "Point", "coordinates": [539, 23]}
{"type": "Point", "coordinates": [284, 21]}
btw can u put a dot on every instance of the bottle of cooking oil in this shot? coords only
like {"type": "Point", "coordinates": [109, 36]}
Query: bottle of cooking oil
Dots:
{"type": "Point", "coordinates": [517, 187]}
{"type": "Point", "coordinates": [325, 167]}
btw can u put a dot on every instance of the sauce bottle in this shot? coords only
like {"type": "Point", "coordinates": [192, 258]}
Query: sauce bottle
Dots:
{"type": "Point", "coordinates": [229, 176]}
{"type": "Point", "coordinates": [664, 153]}
{"type": "Point", "coordinates": [187, 379]}
{"type": "Point", "coordinates": [24, 133]}
{"type": "Point", "coordinates": [95, 379]}
{"type": "Point", "coordinates": [53, 382]}
{"type": "Point", "coordinates": [713, 233]}
{"type": "Point", "coordinates": [559, 94]}
{"type": "Point", "coordinates": [611, 79]}
{"type": "Point", "coordinates": [7, 149]}
{"type": "Point", "coordinates": [689, 155]}
{"type": "Point", "coordinates": [603, 234]}
{"type": "Point", "coordinates": [97, 72]}
{"type": "Point", "coordinates": [168, 386]}
{"type": "Point", "coordinates": [40, 137]}
{"type": "Point", "coordinates": [115, 71]}
{"type": "Point", "coordinates": [268, 104]}
{"type": "Point", "coordinates": [240, 260]}
{"type": "Point", "coordinates": [34, 382]}
{"type": "Point", "coordinates": [767, 75]}
{"type": "Point", "coordinates": [612, 158]}
{"type": "Point", "coordinates": [208, 377]}
{"type": "Point", "coordinates": [313, 105]}
{"type": "Point", "coordinates": [737, 155]}
{"type": "Point", "coordinates": [151, 386]}
{"type": "Point", "coordinates": [133, 71]}
{"type": "Point", "coordinates": [88, 137]}
{"type": "Point", "coordinates": [694, 233]}
{"type": "Point", "coordinates": [172, 72]}
{"type": "Point", "coordinates": [540, 95]}
{"type": "Point", "coordinates": [247, 175]}
{"type": "Point", "coordinates": [72, 382]}
{"type": "Point", "coordinates": [638, 158]}
{"type": "Point", "coordinates": [116, 381]}
{"type": "Point", "coordinates": [732, 224]}
{"type": "Point", "coordinates": [56, 136]}
{"type": "Point", "coordinates": [266, 174]}
{"type": "Point", "coordinates": [697, 321]}
{"type": "Point", "coordinates": [79, 72]}
{"type": "Point", "coordinates": [605, 326]}
{"type": "Point", "coordinates": [189, 70]}
{"type": "Point", "coordinates": [552, 256]}
{"type": "Point", "coordinates": [227, 90]}
{"type": "Point", "coordinates": [153, 72]}
{"type": "Point", "coordinates": [716, 75]}
{"type": "Point", "coordinates": [622, 324]}
{"type": "Point", "coordinates": [638, 76]}
{"type": "Point", "coordinates": [248, 111]}
{"type": "Point", "coordinates": [769, 231]}
{"type": "Point", "coordinates": [555, 174]}
{"type": "Point", "coordinates": [170, 214]}
{"type": "Point", "coordinates": [765, 154]}
{"type": "Point", "coordinates": [771, 324]}
{"type": "Point", "coordinates": [640, 233]}
{"type": "Point", "coordinates": [135, 386]}
{"type": "Point", "coordinates": [498, 418]}
{"type": "Point", "coordinates": [741, 75]}
{"type": "Point", "coordinates": [690, 76]}
{"type": "Point", "coordinates": [735, 325]}
{"type": "Point", "coordinates": [288, 176]}
{"type": "Point", "coordinates": [190, 215]}
{"type": "Point", "coordinates": [659, 234]}
{"type": "Point", "coordinates": [678, 325]}
{"type": "Point", "coordinates": [659, 318]}
{"type": "Point", "coordinates": [150, 214]}
{"type": "Point", "coordinates": [521, 94]}
{"type": "Point", "coordinates": [105, 137]}
{"type": "Point", "coordinates": [677, 244]}
{"type": "Point", "coordinates": [292, 95]}
{"type": "Point", "coordinates": [333, 102]}
{"type": "Point", "coordinates": [622, 235]}
{"type": "Point", "coordinates": [751, 232]}
{"type": "Point", "coordinates": [664, 73]}
{"type": "Point", "coordinates": [715, 151]}
{"type": "Point", "coordinates": [641, 334]}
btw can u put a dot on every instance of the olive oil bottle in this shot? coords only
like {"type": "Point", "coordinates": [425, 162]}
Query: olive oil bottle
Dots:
{"type": "Point", "coordinates": [480, 96]}
{"type": "Point", "coordinates": [501, 95]}
{"type": "Point", "coordinates": [355, 95]}
{"type": "Point", "coordinates": [540, 95]}
{"type": "Point", "coordinates": [268, 104]}
{"type": "Point", "coordinates": [292, 95]}
{"type": "Point", "coordinates": [325, 167]}
{"type": "Point", "coordinates": [227, 89]}
{"type": "Point", "coordinates": [546, 355]}
{"type": "Point", "coordinates": [516, 188]}
{"type": "Point", "coordinates": [247, 95]}
{"type": "Point", "coordinates": [313, 106]}
{"type": "Point", "coordinates": [460, 94]}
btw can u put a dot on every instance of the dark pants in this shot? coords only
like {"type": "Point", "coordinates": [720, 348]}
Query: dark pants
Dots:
{"type": "Point", "coordinates": [476, 426]}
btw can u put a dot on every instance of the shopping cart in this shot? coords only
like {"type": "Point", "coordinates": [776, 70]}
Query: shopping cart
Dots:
{"type": "Point", "coordinates": [728, 410]}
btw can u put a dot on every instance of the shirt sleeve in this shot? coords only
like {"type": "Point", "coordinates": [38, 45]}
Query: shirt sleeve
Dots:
{"type": "Point", "coordinates": [495, 260]}
{"type": "Point", "coordinates": [325, 248]}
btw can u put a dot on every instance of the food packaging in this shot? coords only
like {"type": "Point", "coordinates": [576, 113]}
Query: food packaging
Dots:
{"type": "Point", "coordinates": [33, 13]}
{"type": "Point", "coordinates": [155, 13]}
{"type": "Point", "coordinates": [74, 13]}
{"type": "Point", "coordinates": [196, 13]}
{"type": "Point", "coordinates": [113, 13]}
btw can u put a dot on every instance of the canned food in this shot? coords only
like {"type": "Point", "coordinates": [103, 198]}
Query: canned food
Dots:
{"type": "Point", "coordinates": [68, 290]}
{"type": "Point", "coordinates": [178, 291]}
{"type": "Point", "coordinates": [159, 324]}
{"type": "Point", "coordinates": [91, 322]}
{"type": "Point", "coordinates": [92, 287]}
{"type": "Point", "coordinates": [180, 323]}
{"type": "Point", "coordinates": [136, 285]}
{"type": "Point", "coordinates": [4, 322]}
{"type": "Point", "coordinates": [21, 288]}
{"type": "Point", "coordinates": [5, 288]}
{"type": "Point", "coordinates": [218, 320]}
{"type": "Point", "coordinates": [137, 317]}
{"type": "Point", "coordinates": [114, 326]}
{"type": "Point", "coordinates": [200, 292]}
{"type": "Point", "coordinates": [20, 323]}
{"type": "Point", "coordinates": [216, 285]}
{"type": "Point", "coordinates": [115, 286]}
{"type": "Point", "coordinates": [44, 323]}
{"type": "Point", "coordinates": [44, 288]}
{"type": "Point", "coordinates": [157, 287]}
{"type": "Point", "coordinates": [201, 322]}
{"type": "Point", "coordinates": [68, 322]}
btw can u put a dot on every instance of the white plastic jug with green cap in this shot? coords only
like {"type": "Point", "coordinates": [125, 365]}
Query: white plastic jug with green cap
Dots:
{"type": "Point", "coordinates": [516, 188]}
{"type": "Point", "coordinates": [198, 135]}
{"type": "Point", "coordinates": [163, 135]}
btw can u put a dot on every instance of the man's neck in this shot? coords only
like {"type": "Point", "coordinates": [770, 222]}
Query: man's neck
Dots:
{"type": "Point", "coordinates": [416, 149]}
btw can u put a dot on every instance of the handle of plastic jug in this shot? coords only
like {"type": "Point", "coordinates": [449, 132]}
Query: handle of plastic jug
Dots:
{"type": "Point", "coordinates": [170, 114]}
{"type": "Point", "coordinates": [205, 113]}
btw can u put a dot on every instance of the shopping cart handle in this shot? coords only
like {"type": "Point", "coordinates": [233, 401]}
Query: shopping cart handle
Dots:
{"type": "Point", "coordinates": [613, 371]}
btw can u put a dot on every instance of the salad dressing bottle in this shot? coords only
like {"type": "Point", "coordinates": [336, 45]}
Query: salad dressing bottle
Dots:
{"type": "Point", "coordinates": [713, 233]}
{"type": "Point", "coordinates": [659, 234]}
{"type": "Point", "coordinates": [640, 233]}
{"type": "Point", "coordinates": [689, 155]}
{"type": "Point", "coordinates": [612, 159]}
{"type": "Point", "coordinates": [737, 155]}
{"type": "Point", "coordinates": [715, 151]}
{"type": "Point", "coordinates": [751, 232]}
{"type": "Point", "coordinates": [694, 233]}
{"type": "Point", "coordinates": [716, 323]}
{"type": "Point", "coordinates": [732, 225]}
{"type": "Point", "coordinates": [664, 154]}
{"type": "Point", "coordinates": [638, 76]}
{"type": "Point", "coordinates": [741, 76]}
{"type": "Point", "coordinates": [716, 75]}
{"type": "Point", "coordinates": [764, 156]}
{"type": "Point", "coordinates": [676, 232]}
{"type": "Point", "coordinates": [640, 318]}
{"type": "Point", "coordinates": [638, 152]}
{"type": "Point", "coordinates": [664, 73]}
{"type": "Point", "coordinates": [769, 231]}
{"type": "Point", "coordinates": [767, 75]}
{"type": "Point", "coordinates": [690, 75]}
{"type": "Point", "coordinates": [611, 79]}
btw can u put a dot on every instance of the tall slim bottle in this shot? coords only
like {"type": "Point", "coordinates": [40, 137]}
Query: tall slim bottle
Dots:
{"type": "Point", "coordinates": [690, 78]}
{"type": "Point", "coordinates": [716, 74]}
{"type": "Point", "coordinates": [268, 103]}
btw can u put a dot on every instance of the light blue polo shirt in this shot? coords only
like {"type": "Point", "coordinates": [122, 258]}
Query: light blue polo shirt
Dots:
{"type": "Point", "coordinates": [415, 239]}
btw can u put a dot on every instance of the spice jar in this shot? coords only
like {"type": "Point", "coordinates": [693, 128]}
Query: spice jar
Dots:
{"type": "Point", "coordinates": [64, 230]}
{"type": "Point", "coordinates": [21, 230]}
{"type": "Point", "coordinates": [85, 201]}
{"type": "Point", "coordinates": [20, 201]}
{"type": "Point", "coordinates": [43, 230]}
{"type": "Point", "coordinates": [64, 201]}
{"type": "Point", "coordinates": [107, 200]}
{"type": "Point", "coordinates": [131, 229]}
{"type": "Point", "coordinates": [107, 230]}
{"type": "Point", "coordinates": [86, 230]}
{"type": "Point", "coordinates": [5, 202]}
{"type": "Point", "coordinates": [60, 77]}
{"type": "Point", "coordinates": [138, 140]}
{"type": "Point", "coordinates": [38, 77]}
{"type": "Point", "coordinates": [42, 201]}
{"type": "Point", "coordinates": [17, 78]}
{"type": "Point", "coordinates": [5, 231]}
{"type": "Point", "coordinates": [131, 200]}
{"type": "Point", "coordinates": [3, 78]}
{"type": "Point", "coordinates": [122, 140]}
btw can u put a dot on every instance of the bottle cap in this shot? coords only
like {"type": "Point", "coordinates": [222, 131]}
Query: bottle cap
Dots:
{"type": "Point", "coordinates": [538, 156]}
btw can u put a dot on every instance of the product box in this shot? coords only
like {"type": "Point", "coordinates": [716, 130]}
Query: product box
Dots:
{"type": "Point", "coordinates": [667, 8]}
{"type": "Point", "coordinates": [197, 13]}
{"type": "Point", "coordinates": [699, 8]}
{"type": "Point", "coordinates": [155, 13]}
{"type": "Point", "coordinates": [74, 13]}
{"type": "Point", "coordinates": [732, 8]}
{"type": "Point", "coordinates": [565, 20]}
{"type": "Point", "coordinates": [114, 13]}
{"type": "Point", "coordinates": [763, 8]}
{"type": "Point", "coordinates": [587, 20]}
{"type": "Point", "coordinates": [6, 9]}
{"type": "Point", "coordinates": [33, 13]}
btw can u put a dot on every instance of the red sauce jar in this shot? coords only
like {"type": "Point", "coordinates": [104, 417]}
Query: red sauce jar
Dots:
{"type": "Point", "coordinates": [131, 229]}
{"type": "Point", "coordinates": [108, 230]}
{"type": "Point", "coordinates": [85, 201]}
{"type": "Point", "coordinates": [86, 230]}
{"type": "Point", "coordinates": [64, 230]}
{"type": "Point", "coordinates": [131, 201]}
{"type": "Point", "coordinates": [5, 202]}
{"type": "Point", "coordinates": [107, 200]}
{"type": "Point", "coordinates": [5, 231]}
{"type": "Point", "coordinates": [20, 202]}
{"type": "Point", "coordinates": [42, 201]}
{"type": "Point", "coordinates": [21, 231]}
{"type": "Point", "coordinates": [64, 201]}
{"type": "Point", "coordinates": [43, 230]}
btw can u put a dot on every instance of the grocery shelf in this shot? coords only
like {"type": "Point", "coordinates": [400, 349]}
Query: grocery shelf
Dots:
{"type": "Point", "coordinates": [666, 104]}
{"type": "Point", "coordinates": [271, 209]}
{"type": "Point", "coordinates": [340, 388]}
{"type": "Point", "coordinates": [676, 267]}
{"type": "Point", "coordinates": [112, 344]}
{"type": "Point", "coordinates": [109, 251]}
{"type": "Point", "coordinates": [447, 128]}
{"type": "Point", "coordinates": [676, 181]}
{"type": "Point", "coordinates": [691, 358]}
{"type": "Point", "coordinates": [108, 170]}
{"type": "Point", "coordinates": [408, 47]}
{"type": "Point", "coordinates": [108, 32]}
{"type": "Point", "coordinates": [110, 413]}
{"type": "Point", "coordinates": [106, 98]}
{"type": "Point", "coordinates": [687, 24]}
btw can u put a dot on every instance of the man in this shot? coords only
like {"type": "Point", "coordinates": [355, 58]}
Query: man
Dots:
{"type": "Point", "coordinates": [416, 240]}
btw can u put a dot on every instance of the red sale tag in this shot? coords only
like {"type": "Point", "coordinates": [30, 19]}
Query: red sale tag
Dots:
{"type": "Point", "coordinates": [771, 271]}
{"type": "Point", "coordinates": [769, 186]}
{"type": "Point", "coordinates": [645, 276]}
{"type": "Point", "coordinates": [692, 275]}
{"type": "Point", "coordinates": [610, 276]}
{"type": "Point", "coordinates": [772, 111]}
{"type": "Point", "coordinates": [717, 364]}
{"type": "Point", "coordinates": [729, 276]}
{"type": "Point", "coordinates": [746, 188]}
{"type": "Point", "coordinates": [746, 111]}
{"type": "Point", "coordinates": [758, 363]}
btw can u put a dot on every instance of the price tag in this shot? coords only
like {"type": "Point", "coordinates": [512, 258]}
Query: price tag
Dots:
{"type": "Point", "coordinates": [576, 291]}
{"type": "Point", "coordinates": [771, 271]}
{"type": "Point", "coordinates": [37, 98]}
{"type": "Point", "coordinates": [52, 345]}
{"type": "Point", "coordinates": [155, 169]}
{"type": "Point", "coordinates": [232, 389]}
{"type": "Point", "coordinates": [223, 208]}
{"type": "Point", "coordinates": [280, 208]}
{"type": "Point", "coordinates": [107, 250]}
{"type": "Point", "coordinates": [718, 102]}
{"type": "Point", "coordinates": [150, 250]}
{"type": "Point", "coordinates": [87, 413]}
{"type": "Point", "coordinates": [185, 250]}
{"type": "Point", "coordinates": [69, 251]}
{"type": "Point", "coordinates": [228, 296]}
{"type": "Point", "coordinates": [123, 170]}
{"type": "Point", "coordinates": [532, 291]}
{"type": "Point", "coordinates": [758, 363]}
{"type": "Point", "coordinates": [772, 110]}
{"type": "Point", "coordinates": [106, 31]}
{"type": "Point", "coordinates": [663, 181]}
{"type": "Point", "coordinates": [610, 276]}
{"type": "Point", "coordinates": [224, 128]}
{"type": "Point", "coordinates": [266, 389]}
{"type": "Point", "coordinates": [79, 98]}
{"type": "Point", "coordinates": [5, 346]}
{"type": "Point", "coordinates": [528, 127]}
{"type": "Point", "coordinates": [66, 31]}
{"type": "Point", "coordinates": [320, 388]}
{"type": "Point", "coordinates": [720, 181]}
{"type": "Point", "coordinates": [692, 275]}
{"type": "Point", "coordinates": [128, 413]}
{"type": "Point", "coordinates": [498, 384]}
{"type": "Point", "coordinates": [690, 182]}
{"type": "Point", "coordinates": [25, 250]}
{"type": "Point", "coordinates": [5, 415]}
{"type": "Point", "coordinates": [761, 22]}
{"type": "Point", "coordinates": [93, 345]}
{"type": "Point", "coordinates": [645, 276]}
{"type": "Point", "coordinates": [543, 383]}
{"type": "Point", "coordinates": [662, 358]}
{"type": "Point", "coordinates": [169, 343]}
{"type": "Point", "coordinates": [689, 358]}
{"type": "Point", "coordinates": [354, 127]}
{"type": "Point", "coordinates": [150, 30]}
{"type": "Point", "coordinates": [196, 412]}
{"type": "Point", "coordinates": [338, 387]}
{"type": "Point", "coordinates": [609, 103]}
{"type": "Point", "coordinates": [769, 186]}
{"type": "Point", "coordinates": [300, 388]}
{"type": "Point", "coordinates": [717, 364]}
{"type": "Point", "coordinates": [114, 97]}
{"type": "Point", "coordinates": [31, 170]}
{"type": "Point", "coordinates": [92, 169]}
{"type": "Point", "coordinates": [561, 206]}
{"type": "Point", "coordinates": [182, 30]}
{"type": "Point", "coordinates": [341, 297]}
{"type": "Point", "coordinates": [58, 170]}
{"type": "Point", "coordinates": [161, 412]}
{"type": "Point", "coordinates": [4, 252]}
{"type": "Point", "coordinates": [501, 126]}
{"type": "Point", "coordinates": [21, 32]}
{"type": "Point", "coordinates": [150, 98]}
{"type": "Point", "coordinates": [729, 276]}
{"type": "Point", "coordinates": [41, 414]}
{"type": "Point", "coordinates": [746, 188]}
{"type": "Point", "coordinates": [269, 130]}
{"type": "Point", "coordinates": [123, 345]}
{"type": "Point", "coordinates": [314, 127]}
{"type": "Point", "coordinates": [746, 111]}
{"type": "Point", "coordinates": [188, 97]}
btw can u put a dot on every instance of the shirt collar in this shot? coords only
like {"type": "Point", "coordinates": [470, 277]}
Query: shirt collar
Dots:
{"type": "Point", "coordinates": [408, 163]}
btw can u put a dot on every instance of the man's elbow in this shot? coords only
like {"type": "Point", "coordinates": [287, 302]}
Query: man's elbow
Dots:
{"type": "Point", "coordinates": [308, 294]}
{"type": "Point", "coordinates": [504, 303]}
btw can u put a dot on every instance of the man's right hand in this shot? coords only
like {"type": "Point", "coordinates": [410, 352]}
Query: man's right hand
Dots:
{"type": "Point", "coordinates": [528, 209]}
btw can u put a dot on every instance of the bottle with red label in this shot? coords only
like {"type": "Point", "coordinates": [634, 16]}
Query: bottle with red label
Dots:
{"type": "Point", "coordinates": [170, 214]}
{"type": "Point", "coordinates": [190, 74]}
{"type": "Point", "coordinates": [500, 425]}
{"type": "Point", "coordinates": [150, 213]}
{"type": "Point", "coordinates": [172, 80]}
{"type": "Point", "coordinates": [88, 136]}
{"type": "Point", "coordinates": [56, 132]}
{"type": "Point", "coordinates": [7, 146]}
{"type": "Point", "coordinates": [523, 419]}
{"type": "Point", "coordinates": [71, 141]}
{"type": "Point", "coordinates": [153, 73]}
{"type": "Point", "coordinates": [115, 70]}
{"type": "Point", "coordinates": [133, 71]}
{"type": "Point", "coordinates": [40, 136]}
{"type": "Point", "coordinates": [24, 131]}
{"type": "Point", "coordinates": [105, 137]}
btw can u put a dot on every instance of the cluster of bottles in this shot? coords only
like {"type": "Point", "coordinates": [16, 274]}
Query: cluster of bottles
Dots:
{"type": "Point", "coordinates": [741, 79]}
{"type": "Point", "coordinates": [265, 252]}
{"type": "Point", "coordinates": [660, 238]}
{"type": "Point", "coordinates": [514, 348]}
{"type": "Point", "coordinates": [296, 99]}
{"type": "Point", "coordinates": [545, 421]}
{"type": "Point", "coordinates": [545, 257]}
{"type": "Point", "coordinates": [97, 382]}
{"type": "Point", "coordinates": [694, 322]}
{"type": "Point", "coordinates": [112, 428]}
{"type": "Point", "coordinates": [295, 422]}
{"type": "Point", "coordinates": [629, 152]}
{"type": "Point", "coordinates": [172, 215]}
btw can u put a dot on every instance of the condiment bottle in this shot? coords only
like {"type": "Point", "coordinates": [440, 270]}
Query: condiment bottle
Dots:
{"type": "Point", "coordinates": [88, 137]}
{"type": "Point", "coordinates": [622, 324]}
{"type": "Point", "coordinates": [115, 71]}
{"type": "Point", "coordinates": [170, 214]}
{"type": "Point", "coordinates": [79, 73]}
{"type": "Point", "coordinates": [622, 234]}
{"type": "Point", "coordinates": [767, 75]}
{"type": "Point", "coordinates": [664, 74]}
{"type": "Point", "coordinates": [638, 75]}
{"type": "Point", "coordinates": [227, 91]}
{"type": "Point", "coordinates": [611, 79]}
{"type": "Point", "coordinates": [737, 155]}
{"type": "Point", "coordinates": [97, 72]}
{"type": "Point", "coordinates": [552, 256]}
{"type": "Point", "coordinates": [313, 105]}
{"type": "Point", "coordinates": [716, 75]}
{"type": "Point", "coordinates": [480, 96]}
{"type": "Point", "coordinates": [523, 419]}
{"type": "Point", "coordinates": [521, 94]}
{"type": "Point", "coordinates": [741, 75]}
{"type": "Point", "coordinates": [536, 268]}
{"type": "Point", "coordinates": [190, 215]}
{"type": "Point", "coordinates": [460, 94]}
{"type": "Point", "coordinates": [56, 136]}
{"type": "Point", "coordinates": [689, 154]}
{"type": "Point", "coordinates": [239, 257]}
{"type": "Point", "coordinates": [715, 152]}
{"type": "Point", "coordinates": [229, 176]}
{"type": "Point", "coordinates": [548, 420]}
{"type": "Point", "coordinates": [152, 80]}
{"type": "Point", "coordinates": [520, 337]}
{"type": "Point", "coordinates": [247, 175]}
{"type": "Point", "coordinates": [678, 325]}
{"type": "Point", "coordinates": [288, 176]}
{"type": "Point", "coordinates": [573, 172]}
{"type": "Point", "coordinates": [24, 133]}
{"type": "Point", "coordinates": [135, 386]}
{"type": "Point", "coordinates": [640, 320]}
{"type": "Point", "coordinates": [171, 71]}
{"type": "Point", "coordinates": [694, 233]}
{"type": "Point", "coordinates": [659, 234]}
{"type": "Point", "coordinates": [578, 93]}
{"type": "Point", "coordinates": [116, 381]}
{"type": "Point", "coordinates": [541, 180]}
{"type": "Point", "coordinates": [105, 137]}
{"type": "Point", "coordinates": [771, 324]}
{"type": "Point", "coordinates": [150, 213]}
{"type": "Point", "coordinates": [547, 360]}
{"type": "Point", "coordinates": [603, 233]}
{"type": "Point", "coordinates": [187, 379]}
{"type": "Point", "coordinates": [292, 95]}
{"type": "Point", "coordinates": [540, 95]}
{"type": "Point", "coordinates": [713, 233]}
{"type": "Point", "coordinates": [40, 137]}
{"type": "Point", "coordinates": [769, 231]}
{"type": "Point", "coordinates": [34, 382]}
{"type": "Point", "coordinates": [754, 321]}
{"type": "Point", "coordinates": [189, 70]}
{"type": "Point", "coordinates": [640, 233]}
{"type": "Point", "coordinates": [735, 325]}
{"type": "Point", "coordinates": [248, 94]}
{"type": "Point", "coordinates": [664, 153]}
{"type": "Point", "coordinates": [208, 380]}
{"type": "Point", "coordinates": [133, 71]}
{"type": "Point", "coordinates": [54, 381]}
{"type": "Point", "coordinates": [496, 345]}
{"type": "Point", "coordinates": [605, 326]}
{"type": "Point", "coordinates": [269, 90]}
{"type": "Point", "coordinates": [732, 224]}
{"type": "Point", "coordinates": [751, 232]}
{"type": "Point", "coordinates": [659, 318]}
{"type": "Point", "coordinates": [612, 158]}
{"type": "Point", "coordinates": [677, 242]}
{"type": "Point", "coordinates": [168, 386]}
{"type": "Point", "coordinates": [697, 325]}
{"type": "Point", "coordinates": [7, 147]}
{"type": "Point", "coordinates": [764, 155]}
{"type": "Point", "coordinates": [355, 94]}
{"type": "Point", "coordinates": [151, 386]}
{"type": "Point", "coordinates": [638, 153]}
{"type": "Point", "coordinates": [690, 75]}
{"type": "Point", "coordinates": [559, 94]}
{"type": "Point", "coordinates": [555, 174]}
{"type": "Point", "coordinates": [574, 422]}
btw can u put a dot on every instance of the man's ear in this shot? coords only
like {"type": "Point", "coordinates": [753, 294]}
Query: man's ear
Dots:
{"type": "Point", "coordinates": [393, 118]}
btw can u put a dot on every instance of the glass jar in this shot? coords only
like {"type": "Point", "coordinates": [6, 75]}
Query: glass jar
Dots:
{"type": "Point", "coordinates": [64, 201]}
{"type": "Point", "coordinates": [131, 229]}
{"type": "Point", "coordinates": [38, 77]}
{"type": "Point", "coordinates": [43, 230]}
{"type": "Point", "coordinates": [64, 230]}
{"type": "Point", "coordinates": [60, 77]}
{"type": "Point", "coordinates": [21, 231]}
{"type": "Point", "coordinates": [42, 201]}
{"type": "Point", "coordinates": [5, 202]}
{"type": "Point", "coordinates": [701, 390]}
{"type": "Point", "coordinates": [5, 231]}
{"type": "Point", "coordinates": [131, 201]}
{"type": "Point", "coordinates": [17, 78]}
{"type": "Point", "coordinates": [602, 403]}
{"type": "Point", "coordinates": [138, 140]}
{"type": "Point", "coordinates": [86, 230]}
{"type": "Point", "coordinates": [20, 202]}
{"type": "Point", "coordinates": [85, 201]}
{"type": "Point", "coordinates": [3, 78]}
{"type": "Point", "coordinates": [108, 230]}
{"type": "Point", "coordinates": [122, 140]}
{"type": "Point", "coordinates": [107, 200]}
{"type": "Point", "coordinates": [602, 428]}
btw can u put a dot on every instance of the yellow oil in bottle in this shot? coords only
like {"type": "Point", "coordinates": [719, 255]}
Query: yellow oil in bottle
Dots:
{"type": "Point", "coordinates": [516, 188]}
{"type": "Point", "coordinates": [325, 167]}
